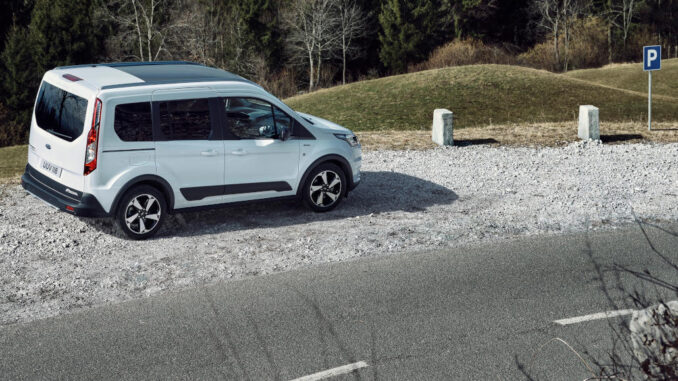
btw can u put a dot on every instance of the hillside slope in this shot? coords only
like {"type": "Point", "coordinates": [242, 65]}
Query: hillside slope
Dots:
{"type": "Point", "coordinates": [632, 77]}
{"type": "Point", "coordinates": [479, 95]}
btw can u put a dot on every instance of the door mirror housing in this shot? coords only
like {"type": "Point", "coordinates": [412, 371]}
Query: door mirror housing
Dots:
{"type": "Point", "coordinates": [284, 133]}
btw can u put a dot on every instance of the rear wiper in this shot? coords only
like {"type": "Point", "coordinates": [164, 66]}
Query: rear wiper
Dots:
{"type": "Point", "coordinates": [51, 131]}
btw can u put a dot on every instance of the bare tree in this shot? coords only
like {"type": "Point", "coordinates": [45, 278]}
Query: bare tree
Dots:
{"type": "Point", "coordinates": [551, 15]}
{"type": "Point", "coordinates": [571, 11]}
{"type": "Point", "coordinates": [626, 11]}
{"type": "Point", "coordinates": [352, 25]}
{"type": "Point", "coordinates": [146, 27]}
{"type": "Point", "coordinates": [558, 17]}
{"type": "Point", "coordinates": [313, 35]}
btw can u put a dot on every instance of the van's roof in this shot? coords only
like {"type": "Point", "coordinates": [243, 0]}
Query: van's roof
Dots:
{"type": "Point", "coordinates": [128, 74]}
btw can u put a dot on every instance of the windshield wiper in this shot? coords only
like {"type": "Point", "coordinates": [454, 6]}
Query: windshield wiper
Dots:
{"type": "Point", "coordinates": [53, 132]}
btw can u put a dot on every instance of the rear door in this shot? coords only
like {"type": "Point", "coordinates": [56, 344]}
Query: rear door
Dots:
{"type": "Point", "coordinates": [189, 151]}
{"type": "Point", "coordinates": [58, 135]}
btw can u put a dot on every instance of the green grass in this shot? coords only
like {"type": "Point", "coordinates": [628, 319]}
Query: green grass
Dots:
{"type": "Point", "coordinates": [632, 77]}
{"type": "Point", "coordinates": [12, 161]}
{"type": "Point", "coordinates": [479, 95]}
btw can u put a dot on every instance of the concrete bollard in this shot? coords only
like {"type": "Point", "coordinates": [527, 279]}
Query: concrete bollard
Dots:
{"type": "Point", "coordinates": [589, 123]}
{"type": "Point", "coordinates": [443, 127]}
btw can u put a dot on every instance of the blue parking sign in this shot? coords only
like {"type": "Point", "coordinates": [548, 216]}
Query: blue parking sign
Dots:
{"type": "Point", "coordinates": [652, 58]}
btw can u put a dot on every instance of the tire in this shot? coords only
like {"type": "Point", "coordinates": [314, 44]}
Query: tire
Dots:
{"type": "Point", "coordinates": [321, 191]}
{"type": "Point", "coordinates": [149, 217]}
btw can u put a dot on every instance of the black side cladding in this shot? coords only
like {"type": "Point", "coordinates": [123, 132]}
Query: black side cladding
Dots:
{"type": "Point", "coordinates": [199, 193]}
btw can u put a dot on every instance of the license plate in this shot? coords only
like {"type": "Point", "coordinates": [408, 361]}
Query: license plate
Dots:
{"type": "Point", "coordinates": [51, 168]}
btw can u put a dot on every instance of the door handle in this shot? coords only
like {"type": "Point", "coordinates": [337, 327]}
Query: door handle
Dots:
{"type": "Point", "coordinates": [240, 152]}
{"type": "Point", "coordinates": [209, 153]}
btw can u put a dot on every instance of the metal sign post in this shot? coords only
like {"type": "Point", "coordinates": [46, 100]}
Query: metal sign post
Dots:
{"type": "Point", "coordinates": [652, 60]}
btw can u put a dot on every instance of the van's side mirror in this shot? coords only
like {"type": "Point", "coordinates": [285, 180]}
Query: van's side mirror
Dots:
{"type": "Point", "coordinates": [284, 133]}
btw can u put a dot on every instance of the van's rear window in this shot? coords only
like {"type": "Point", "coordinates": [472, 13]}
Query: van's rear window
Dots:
{"type": "Point", "coordinates": [60, 113]}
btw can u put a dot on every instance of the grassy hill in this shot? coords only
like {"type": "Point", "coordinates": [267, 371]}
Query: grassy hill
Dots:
{"type": "Point", "coordinates": [12, 161]}
{"type": "Point", "coordinates": [479, 95]}
{"type": "Point", "coordinates": [632, 77]}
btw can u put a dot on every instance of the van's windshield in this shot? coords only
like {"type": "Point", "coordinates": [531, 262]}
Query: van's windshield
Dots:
{"type": "Point", "coordinates": [60, 113]}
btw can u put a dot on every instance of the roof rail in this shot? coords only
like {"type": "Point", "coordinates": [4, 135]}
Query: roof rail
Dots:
{"type": "Point", "coordinates": [123, 64]}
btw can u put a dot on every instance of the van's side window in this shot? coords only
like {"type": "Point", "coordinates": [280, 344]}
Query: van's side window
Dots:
{"type": "Point", "coordinates": [250, 118]}
{"type": "Point", "coordinates": [185, 119]}
{"type": "Point", "coordinates": [133, 122]}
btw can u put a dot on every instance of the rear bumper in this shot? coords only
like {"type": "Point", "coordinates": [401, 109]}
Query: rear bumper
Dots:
{"type": "Point", "coordinates": [46, 189]}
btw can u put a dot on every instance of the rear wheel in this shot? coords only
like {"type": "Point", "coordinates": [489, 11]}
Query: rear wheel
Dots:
{"type": "Point", "coordinates": [141, 212]}
{"type": "Point", "coordinates": [325, 187]}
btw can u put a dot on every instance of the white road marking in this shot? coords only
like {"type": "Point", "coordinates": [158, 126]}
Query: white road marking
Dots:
{"type": "Point", "coordinates": [333, 372]}
{"type": "Point", "coordinates": [598, 316]}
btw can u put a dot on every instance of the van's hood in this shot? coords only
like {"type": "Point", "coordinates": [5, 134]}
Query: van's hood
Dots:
{"type": "Point", "coordinates": [325, 124]}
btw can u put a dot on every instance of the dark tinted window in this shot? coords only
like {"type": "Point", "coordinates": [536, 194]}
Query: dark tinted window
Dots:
{"type": "Point", "coordinates": [60, 113]}
{"type": "Point", "coordinates": [250, 118]}
{"type": "Point", "coordinates": [133, 122]}
{"type": "Point", "coordinates": [185, 119]}
{"type": "Point", "coordinates": [301, 132]}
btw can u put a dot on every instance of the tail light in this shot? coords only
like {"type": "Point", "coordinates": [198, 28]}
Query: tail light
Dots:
{"type": "Point", "coordinates": [93, 140]}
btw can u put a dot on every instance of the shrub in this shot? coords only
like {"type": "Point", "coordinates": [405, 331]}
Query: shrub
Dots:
{"type": "Point", "coordinates": [634, 46]}
{"type": "Point", "coordinates": [540, 56]}
{"type": "Point", "coordinates": [464, 52]}
{"type": "Point", "coordinates": [282, 84]}
{"type": "Point", "coordinates": [588, 48]}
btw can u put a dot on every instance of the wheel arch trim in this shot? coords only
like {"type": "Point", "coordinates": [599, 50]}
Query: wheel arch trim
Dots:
{"type": "Point", "coordinates": [332, 158]}
{"type": "Point", "coordinates": [152, 180]}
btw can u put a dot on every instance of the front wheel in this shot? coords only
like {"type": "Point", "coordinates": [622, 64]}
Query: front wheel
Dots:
{"type": "Point", "coordinates": [324, 188]}
{"type": "Point", "coordinates": [141, 212]}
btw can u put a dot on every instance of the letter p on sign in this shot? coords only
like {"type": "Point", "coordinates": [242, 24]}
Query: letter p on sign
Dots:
{"type": "Point", "coordinates": [652, 58]}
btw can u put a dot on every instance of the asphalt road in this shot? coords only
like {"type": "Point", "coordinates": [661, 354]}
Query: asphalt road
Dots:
{"type": "Point", "coordinates": [472, 313]}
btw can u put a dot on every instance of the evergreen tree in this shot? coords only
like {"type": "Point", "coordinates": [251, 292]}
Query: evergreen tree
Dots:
{"type": "Point", "coordinates": [407, 32]}
{"type": "Point", "coordinates": [61, 33]}
{"type": "Point", "coordinates": [13, 12]}
{"type": "Point", "coordinates": [19, 85]}
{"type": "Point", "coordinates": [261, 20]}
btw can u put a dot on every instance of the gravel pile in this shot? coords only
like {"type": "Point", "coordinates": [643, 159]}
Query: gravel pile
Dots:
{"type": "Point", "coordinates": [52, 262]}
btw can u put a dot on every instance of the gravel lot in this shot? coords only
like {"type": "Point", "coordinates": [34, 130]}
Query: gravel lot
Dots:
{"type": "Point", "coordinates": [52, 262]}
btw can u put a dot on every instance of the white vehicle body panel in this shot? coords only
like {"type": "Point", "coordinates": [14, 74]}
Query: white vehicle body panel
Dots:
{"type": "Point", "coordinates": [68, 156]}
{"type": "Point", "coordinates": [189, 163]}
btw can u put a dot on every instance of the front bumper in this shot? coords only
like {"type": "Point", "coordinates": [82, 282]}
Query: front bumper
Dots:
{"type": "Point", "coordinates": [354, 184]}
{"type": "Point", "coordinates": [48, 190]}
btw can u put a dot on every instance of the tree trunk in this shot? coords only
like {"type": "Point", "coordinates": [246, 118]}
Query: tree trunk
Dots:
{"type": "Point", "coordinates": [609, 32]}
{"type": "Point", "coordinates": [567, 45]}
{"type": "Point", "coordinates": [609, 43]}
{"type": "Point", "coordinates": [149, 28]}
{"type": "Point", "coordinates": [343, 57]}
{"type": "Point", "coordinates": [138, 27]}
{"type": "Point", "coordinates": [556, 32]}
{"type": "Point", "coordinates": [310, 71]}
{"type": "Point", "coordinates": [317, 72]}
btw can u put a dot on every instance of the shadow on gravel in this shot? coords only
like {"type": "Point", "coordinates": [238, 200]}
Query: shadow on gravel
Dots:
{"type": "Point", "coordinates": [475, 142]}
{"type": "Point", "coordinates": [379, 192]}
{"type": "Point", "coordinates": [618, 138]}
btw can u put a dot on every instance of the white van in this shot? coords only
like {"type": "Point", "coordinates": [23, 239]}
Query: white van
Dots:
{"type": "Point", "coordinates": [137, 141]}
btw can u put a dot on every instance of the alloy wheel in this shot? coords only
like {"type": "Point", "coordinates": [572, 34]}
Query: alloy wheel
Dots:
{"type": "Point", "coordinates": [325, 188]}
{"type": "Point", "coordinates": [142, 214]}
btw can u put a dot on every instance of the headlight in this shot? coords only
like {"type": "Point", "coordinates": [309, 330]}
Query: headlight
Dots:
{"type": "Point", "coordinates": [351, 139]}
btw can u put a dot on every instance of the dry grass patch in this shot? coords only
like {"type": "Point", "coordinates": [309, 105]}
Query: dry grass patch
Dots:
{"type": "Point", "coordinates": [537, 134]}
